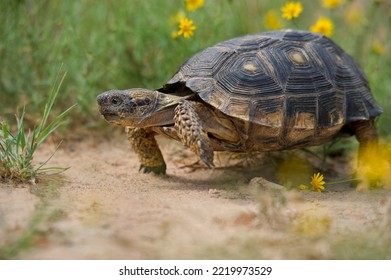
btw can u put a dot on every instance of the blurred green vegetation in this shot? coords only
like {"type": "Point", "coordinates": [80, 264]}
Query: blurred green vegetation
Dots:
{"type": "Point", "coordinates": [128, 43]}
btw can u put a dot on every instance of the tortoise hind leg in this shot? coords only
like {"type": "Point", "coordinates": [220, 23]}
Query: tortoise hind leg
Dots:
{"type": "Point", "coordinates": [191, 132]}
{"type": "Point", "coordinates": [366, 135]}
{"type": "Point", "coordinates": [145, 145]}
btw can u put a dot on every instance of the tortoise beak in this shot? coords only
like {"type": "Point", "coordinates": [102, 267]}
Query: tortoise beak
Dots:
{"type": "Point", "coordinates": [108, 114]}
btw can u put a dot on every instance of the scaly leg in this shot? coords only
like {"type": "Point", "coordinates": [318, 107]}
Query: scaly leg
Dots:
{"type": "Point", "coordinates": [191, 132]}
{"type": "Point", "coordinates": [367, 169]}
{"type": "Point", "coordinates": [366, 135]}
{"type": "Point", "coordinates": [145, 146]}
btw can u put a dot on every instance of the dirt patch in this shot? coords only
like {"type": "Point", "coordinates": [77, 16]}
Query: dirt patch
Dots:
{"type": "Point", "coordinates": [103, 208]}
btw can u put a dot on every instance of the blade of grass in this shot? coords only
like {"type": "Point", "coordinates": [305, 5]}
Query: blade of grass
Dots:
{"type": "Point", "coordinates": [52, 126]}
{"type": "Point", "coordinates": [52, 97]}
{"type": "Point", "coordinates": [21, 139]}
{"type": "Point", "coordinates": [57, 169]}
{"type": "Point", "coordinates": [50, 157]}
{"type": "Point", "coordinates": [4, 130]}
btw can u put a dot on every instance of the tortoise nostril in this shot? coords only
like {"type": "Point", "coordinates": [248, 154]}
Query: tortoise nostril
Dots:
{"type": "Point", "coordinates": [101, 99]}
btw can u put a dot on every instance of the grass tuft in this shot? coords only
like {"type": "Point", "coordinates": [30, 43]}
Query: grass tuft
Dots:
{"type": "Point", "coordinates": [17, 149]}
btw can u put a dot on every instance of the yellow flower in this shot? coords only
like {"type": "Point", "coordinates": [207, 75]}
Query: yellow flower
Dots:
{"type": "Point", "coordinates": [331, 4]}
{"type": "Point", "coordinates": [186, 28]}
{"type": "Point", "coordinates": [354, 15]}
{"type": "Point", "coordinates": [175, 19]}
{"type": "Point", "coordinates": [174, 35]}
{"type": "Point", "coordinates": [272, 21]}
{"type": "Point", "coordinates": [375, 165]}
{"type": "Point", "coordinates": [317, 182]}
{"type": "Point", "coordinates": [192, 5]}
{"type": "Point", "coordinates": [292, 10]}
{"type": "Point", "coordinates": [378, 48]}
{"type": "Point", "coordinates": [323, 25]}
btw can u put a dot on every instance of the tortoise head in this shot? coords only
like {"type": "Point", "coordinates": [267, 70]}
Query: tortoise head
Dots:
{"type": "Point", "coordinates": [132, 107]}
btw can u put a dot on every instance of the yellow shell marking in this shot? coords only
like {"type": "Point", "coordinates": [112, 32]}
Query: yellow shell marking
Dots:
{"type": "Point", "coordinates": [250, 67]}
{"type": "Point", "coordinates": [297, 57]}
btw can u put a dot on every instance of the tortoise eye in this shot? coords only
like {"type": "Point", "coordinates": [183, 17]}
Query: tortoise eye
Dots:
{"type": "Point", "coordinates": [116, 101]}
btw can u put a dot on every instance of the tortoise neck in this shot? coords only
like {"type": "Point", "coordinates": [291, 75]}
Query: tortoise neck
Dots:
{"type": "Point", "coordinates": [163, 111]}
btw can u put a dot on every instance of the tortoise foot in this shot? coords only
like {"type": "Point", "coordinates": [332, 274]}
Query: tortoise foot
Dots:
{"type": "Point", "coordinates": [205, 151]}
{"type": "Point", "coordinates": [159, 170]}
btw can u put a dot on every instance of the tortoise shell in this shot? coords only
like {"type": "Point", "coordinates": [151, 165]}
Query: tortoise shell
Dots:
{"type": "Point", "coordinates": [281, 79]}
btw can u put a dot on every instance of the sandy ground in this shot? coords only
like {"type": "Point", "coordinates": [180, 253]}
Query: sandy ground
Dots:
{"type": "Point", "coordinates": [103, 208]}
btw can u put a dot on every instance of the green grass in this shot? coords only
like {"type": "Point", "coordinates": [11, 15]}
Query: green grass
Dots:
{"type": "Point", "coordinates": [17, 149]}
{"type": "Point", "coordinates": [127, 43]}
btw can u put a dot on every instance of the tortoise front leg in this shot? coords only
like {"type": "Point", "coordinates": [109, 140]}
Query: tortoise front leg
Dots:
{"type": "Point", "coordinates": [192, 134]}
{"type": "Point", "coordinates": [145, 146]}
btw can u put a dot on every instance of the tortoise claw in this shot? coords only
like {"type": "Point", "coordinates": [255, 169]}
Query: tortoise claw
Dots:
{"type": "Point", "coordinates": [205, 151]}
{"type": "Point", "coordinates": [159, 170]}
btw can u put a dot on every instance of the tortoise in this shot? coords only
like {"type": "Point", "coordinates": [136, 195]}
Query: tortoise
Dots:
{"type": "Point", "coordinates": [269, 91]}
